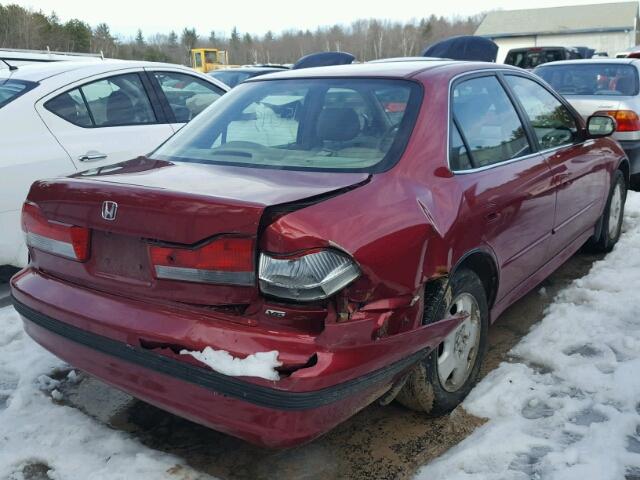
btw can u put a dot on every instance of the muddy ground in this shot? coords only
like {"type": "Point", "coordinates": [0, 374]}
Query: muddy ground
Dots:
{"type": "Point", "coordinates": [378, 443]}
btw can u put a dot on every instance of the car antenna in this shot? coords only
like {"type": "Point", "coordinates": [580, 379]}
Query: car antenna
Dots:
{"type": "Point", "coordinates": [11, 67]}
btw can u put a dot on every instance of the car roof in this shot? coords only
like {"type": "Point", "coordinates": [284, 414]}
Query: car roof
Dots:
{"type": "Point", "coordinates": [391, 69]}
{"type": "Point", "coordinates": [382, 69]}
{"type": "Point", "coordinates": [539, 48]}
{"type": "Point", "coordinates": [406, 59]}
{"type": "Point", "coordinates": [37, 72]}
{"type": "Point", "coordinates": [251, 69]}
{"type": "Point", "coordinates": [589, 61]}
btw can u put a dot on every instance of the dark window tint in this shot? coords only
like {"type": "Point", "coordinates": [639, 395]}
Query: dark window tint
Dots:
{"type": "Point", "coordinates": [70, 106]}
{"type": "Point", "coordinates": [552, 122]}
{"type": "Point", "coordinates": [534, 57]}
{"type": "Point", "coordinates": [12, 89]}
{"type": "Point", "coordinates": [591, 78]}
{"type": "Point", "coordinates": [187, 95]}
{"type": "Point", "coordinates": [119, 100]}
{"type": "Point", "coordinates": [488, 122]}
{"type": "Point", "coordinates": [113, 101]}
{"type": "Point", "coordinates": [198, 58]}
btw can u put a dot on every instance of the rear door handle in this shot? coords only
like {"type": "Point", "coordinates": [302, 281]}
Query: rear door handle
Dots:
{"type": "Point", "coordinates": [89, 156]}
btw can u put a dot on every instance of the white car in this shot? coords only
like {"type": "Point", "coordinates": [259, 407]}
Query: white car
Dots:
{"type": "Point", "coordinates": [63, 117]}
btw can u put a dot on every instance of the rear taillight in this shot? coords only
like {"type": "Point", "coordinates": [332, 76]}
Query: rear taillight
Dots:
{"type": "Point", "coordinates": [308, 277]}
{"type": "Point", "coordinates": [225, 260]}
{"type": "Point", "coordinates": [53, 237]}
{"type": "Point", "coordinates": [626, 120]}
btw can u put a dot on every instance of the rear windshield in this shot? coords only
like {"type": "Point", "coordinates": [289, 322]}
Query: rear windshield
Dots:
{"type": "Point", "coordinates": [12, 89]}
{"type": "Point", "coordinates": [533, 58]}
{"type": "Point", "coordinates": [591, 78]}
{"type": "Point", "coordinates": [357, 125]}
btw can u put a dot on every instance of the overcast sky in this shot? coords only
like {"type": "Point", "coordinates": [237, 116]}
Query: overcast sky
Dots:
{"type": "Point", "coordinates": [161, 16]}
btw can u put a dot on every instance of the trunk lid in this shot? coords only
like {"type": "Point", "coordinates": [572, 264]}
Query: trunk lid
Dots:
{"type": "Point", "coordinates": [176, 204]}
{"type": "Point", "coordinates": [587, 105]}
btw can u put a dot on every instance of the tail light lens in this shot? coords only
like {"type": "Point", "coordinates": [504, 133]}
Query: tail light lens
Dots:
{"type": "Point", "coordinates": [226, 260]}
{"type": "Point", "coordinates": [626, 120]}
{"type": "Point", "coordinates": [314, 276]}
{"type": "Point", "coordinates": [52, 237]}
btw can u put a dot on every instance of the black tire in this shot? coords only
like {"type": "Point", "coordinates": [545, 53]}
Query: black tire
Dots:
{"type": "Point", "coordinates": [424, 391]}
{"type": "Point", "coordinates": [634, 182]}
{"type": "Point", "coordinates": [608, 237]}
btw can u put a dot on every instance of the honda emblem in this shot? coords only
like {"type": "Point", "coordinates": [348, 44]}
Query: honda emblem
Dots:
{"type": "Point", "coordinates": [109, 210]}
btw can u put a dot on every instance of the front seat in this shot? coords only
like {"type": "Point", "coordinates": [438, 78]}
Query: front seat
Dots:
{"type": "Point", "coordinates": [120, 109]}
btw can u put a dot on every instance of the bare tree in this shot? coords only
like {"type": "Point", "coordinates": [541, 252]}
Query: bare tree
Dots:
{"type": "Point", "coordinates": [365, 38]}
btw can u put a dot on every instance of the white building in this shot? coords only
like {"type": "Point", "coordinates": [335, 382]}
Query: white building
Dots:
{"type": "Point", "coordinates": [606, 27]}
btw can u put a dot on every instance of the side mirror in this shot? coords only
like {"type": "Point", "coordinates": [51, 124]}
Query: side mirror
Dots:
{"type": "Point", "coordinates": [600, 126]}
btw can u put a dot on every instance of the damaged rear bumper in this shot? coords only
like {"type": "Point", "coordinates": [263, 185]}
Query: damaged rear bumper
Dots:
{"type": "Point", "coordinates": [73, 323]}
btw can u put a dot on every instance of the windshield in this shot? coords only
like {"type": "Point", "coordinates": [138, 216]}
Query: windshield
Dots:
{"type": "Point", "coordinates": [591, 78]}
{"type": "Point", "coordinates": [319, 124]}
{"type": "Point", "coordinates": [533, 58]}
{"type": "Point", "coordinates": [12, 89]}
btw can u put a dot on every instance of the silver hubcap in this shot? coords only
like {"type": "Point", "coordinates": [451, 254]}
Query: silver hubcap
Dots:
{"type": "Point", "coordinates": [457, 354]}
{"type": "Point", "coordinates": [615, 210]}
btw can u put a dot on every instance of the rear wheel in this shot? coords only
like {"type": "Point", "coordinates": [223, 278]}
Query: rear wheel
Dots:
{"type": "Point", "coordinates": [440, 382]}
{"type": "Point", "coordinates": [612, 217]}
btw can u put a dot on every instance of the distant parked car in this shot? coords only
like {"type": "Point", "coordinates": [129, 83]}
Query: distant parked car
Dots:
{"type": "Point", "coordinates": [320, 240]}
{"type": "Point", "coordinates": [61, 117]}
{"type": "Point", "coordinates": [531, 57]}
{"type": "Point", "coordinates": [234, 76]}
{"type": "Point", "coordinates": [603, 86]}
{"type": "Point", "coordinates": [633, 52]}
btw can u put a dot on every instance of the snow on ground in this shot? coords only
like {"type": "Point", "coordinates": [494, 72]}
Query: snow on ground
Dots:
{"type": "Point", "coordinates": [568, 406]}
{"type": "Point", "coordinates": [37, 434]}
{"type": "Point", "coordinates": [259, 364]}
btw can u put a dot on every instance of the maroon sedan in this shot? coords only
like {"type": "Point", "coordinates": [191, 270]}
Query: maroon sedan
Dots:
{"type": "Point", "coordinates": [317, 240]}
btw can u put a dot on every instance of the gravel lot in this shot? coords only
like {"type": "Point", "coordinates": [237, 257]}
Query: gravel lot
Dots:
{"type": "Point", "coordinates": [380, 442]}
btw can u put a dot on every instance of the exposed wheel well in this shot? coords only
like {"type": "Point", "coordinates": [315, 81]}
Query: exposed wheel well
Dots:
{"type": "Point", "coordinates": [624, 168]}
{"type": "Point", "coordinates": [484, 266]}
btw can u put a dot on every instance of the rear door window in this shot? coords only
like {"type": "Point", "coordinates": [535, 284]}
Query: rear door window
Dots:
{"type": "Point", "coordinates": [553, 124]}
{"type": "Point", "coordinates": [70, 106]}
{"type": "Point", "coordinates": [118, 100]}
{"type": "Point", "coordinates": [114, 101]}
{"type": "Point", "coordinates": [187, 95]}
{"type": "Point", "coordinates": [488, 121]}
{"type": "Point", "coordinates": [12, 89]}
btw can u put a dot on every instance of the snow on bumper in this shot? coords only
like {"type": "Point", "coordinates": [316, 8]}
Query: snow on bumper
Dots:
{"type": "Point", "coordinates": [86, 329]}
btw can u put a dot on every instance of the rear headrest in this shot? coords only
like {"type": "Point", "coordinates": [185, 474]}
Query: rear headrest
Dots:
{"type": "Point", "coordinates": [625, 85]}
{"type": "Point", "coordinates": [338, 124]}
{"type": "Point", "coordinates": [119, 109]}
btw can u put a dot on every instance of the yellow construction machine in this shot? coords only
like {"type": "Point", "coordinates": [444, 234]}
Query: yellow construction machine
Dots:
{"type": "Point", "coordinates": [207, 59]}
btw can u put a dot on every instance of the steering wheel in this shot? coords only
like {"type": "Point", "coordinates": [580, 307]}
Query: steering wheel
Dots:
{"type": "Point", "coordinates": [555, 138]}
